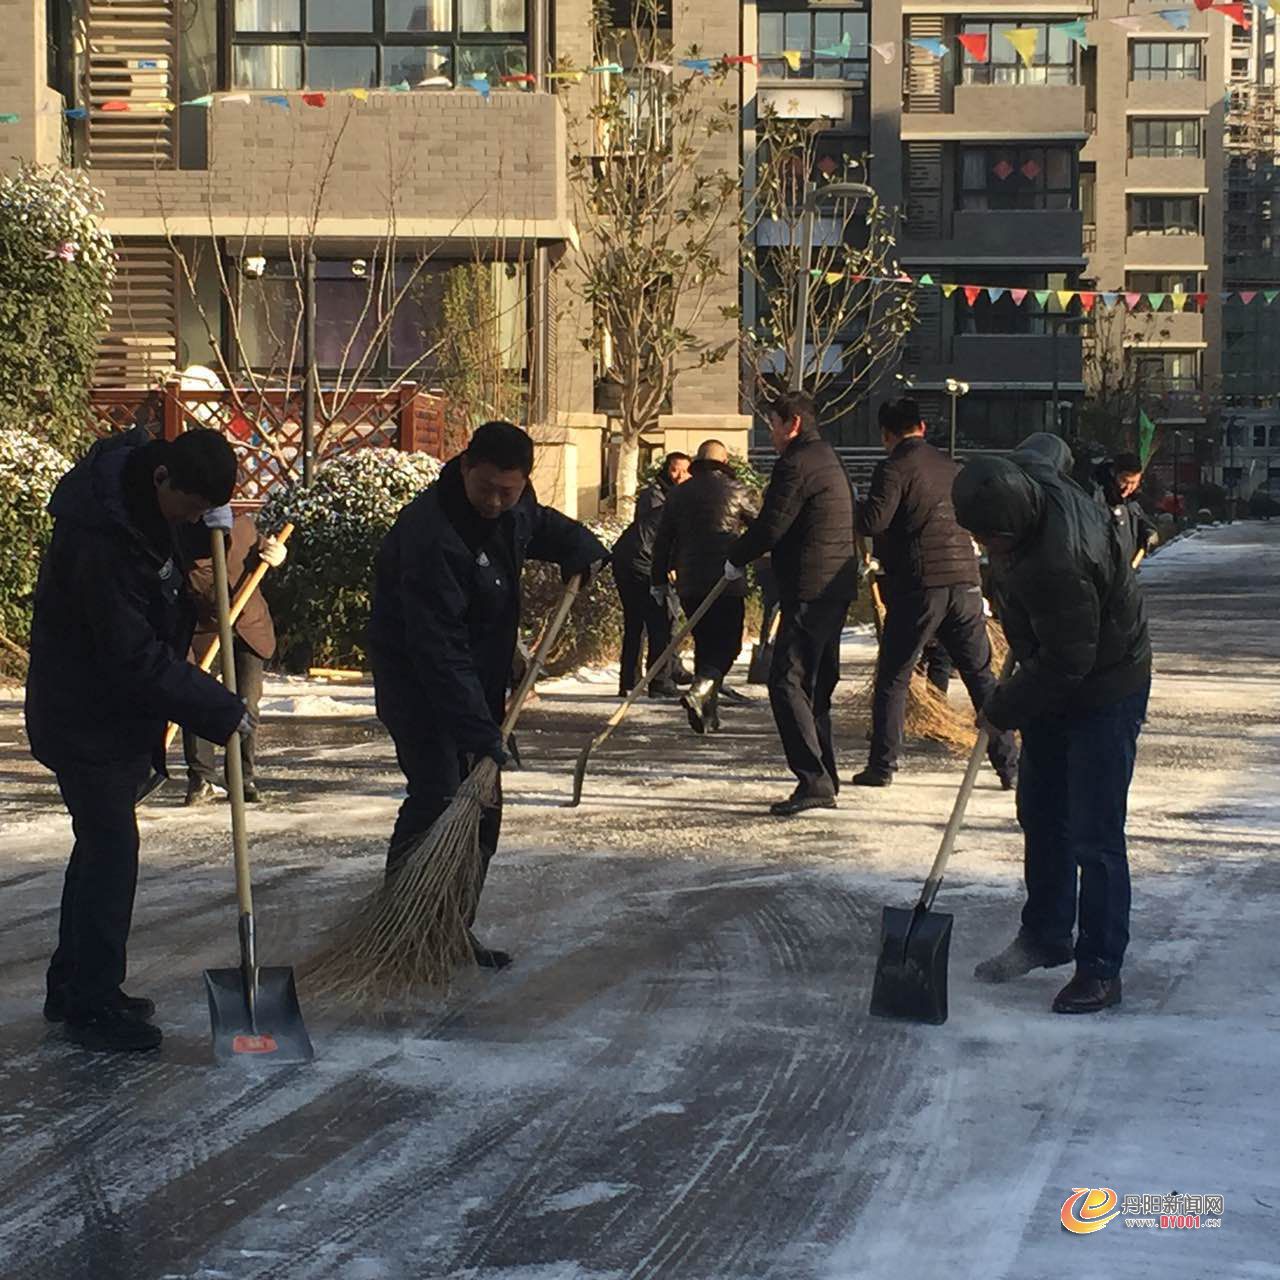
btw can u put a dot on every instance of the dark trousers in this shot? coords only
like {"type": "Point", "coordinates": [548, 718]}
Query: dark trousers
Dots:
{"type": "Point", "coordinates": [433, 770]}
{"type": "Point", "coordinates": [250, 674]}
{"type": "Point", "coordinates": [802, 678]}
{"type": "Point", "coordinates": [912, 619]}
{"type": "Point", "coordinates": [101, 879]}
{"type": "Point", "coordinates": [935, 666]}
{"type": "Point", "coordinates": [717, 639]}
{"type": "Point", "coordinates": [1073, 792]}
{"type": "Point", "coordinates": [641, 616]}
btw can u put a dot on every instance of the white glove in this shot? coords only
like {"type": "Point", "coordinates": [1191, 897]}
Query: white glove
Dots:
{"type": "Point", "coordinates": [271, 552]}
{"type": "Point", "coordinates": [248, 725]}
{"type": "Point", "coordinates": [219, 518]}
{"type": "Point", "coordinates": [732, 572]}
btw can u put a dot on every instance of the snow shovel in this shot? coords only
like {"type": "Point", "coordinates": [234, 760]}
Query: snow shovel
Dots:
{"type": "Point", "coordinates": [580, 768]}
{"type": "Point", "coordinates": [911, 973]}
{"type": "Point", "coordinates": [254, 1011]}
{"type": "Point", "coordinates": [762, 653]}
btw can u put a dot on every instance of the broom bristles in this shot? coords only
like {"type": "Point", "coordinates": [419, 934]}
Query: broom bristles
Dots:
{"type": "Point", "coordinates": [412, 931]}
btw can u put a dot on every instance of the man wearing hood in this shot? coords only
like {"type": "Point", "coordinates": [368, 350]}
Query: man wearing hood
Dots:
{"type": "Point", "coordinates": [446, 613]}
{"type": "Point", "coordinates": [1075, 621]}
{"type": "Point", "coordinates": [642, 613]}
{"type": "Point", "coordinates": [109, 638]}
{"type": "Point", "coordinates": [701, 521]}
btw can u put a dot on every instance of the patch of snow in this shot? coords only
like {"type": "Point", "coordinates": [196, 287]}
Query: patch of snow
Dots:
{"type": "Point", "coordinates": [587, 1194]}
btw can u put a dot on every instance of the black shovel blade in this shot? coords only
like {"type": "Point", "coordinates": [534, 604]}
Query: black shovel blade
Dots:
{"type": "Point", "coordinates": [761, 661]}
{"type": "Point", "coordinates": [911, 973]}
{"type": "Point", "coordinates": [276, 1034]}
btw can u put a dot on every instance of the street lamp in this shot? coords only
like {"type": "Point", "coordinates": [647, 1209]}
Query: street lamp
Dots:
{"type": "Point", "coordinates": [1056, 323]}
{"type": "Point", "coordinates": [955, 390]}
{"type": "Point", "coordinates": [813, 196]}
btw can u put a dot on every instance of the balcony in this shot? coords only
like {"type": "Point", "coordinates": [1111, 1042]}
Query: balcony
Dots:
{"type": "Point", "coordinates": [1005, 360]}
{"type": "Point", "coordinates": [1174, 96]}
{"type": "Point", "coordinates": [1164, 251]}
{"type": "Point", "coordinates": [1040, 235]}
{"type": "Point", "coordinates": [1180, 328]}
{"type": "Point", "coordinates": [1165, 173]}
{"type": "Point", "coordinates": [982, 112]}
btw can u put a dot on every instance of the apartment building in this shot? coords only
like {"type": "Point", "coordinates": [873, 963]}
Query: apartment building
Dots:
{"type": "Point", "coordinates": [425, 129]}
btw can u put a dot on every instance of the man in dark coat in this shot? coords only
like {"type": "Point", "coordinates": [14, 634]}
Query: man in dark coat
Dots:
{"type": "Point", "coordinates": [700, 522]}
{"type": "Point", "coordinates": [806, 523]}
{"type": "Point", "coordinates": [1119, 481]}
{"type": "Point", "coordinates": [255, 642]}
{"type": "Point", "coordinates": [446, 612]}
{"type": "Point", "coordinates": [109, 640]}
{"type": "Point", "coordinates": [1074, 617]}
{"type": "Point", "coordinates": [632, 563]}
{"type": "Point", "coordinates": [930, 584]}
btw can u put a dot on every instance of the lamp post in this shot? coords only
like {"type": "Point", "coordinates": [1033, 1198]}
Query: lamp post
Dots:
{"type": "Point", "coordinates": [955, 390]}
{"type": "Point", "coordinates": [813, 196]}
{"type": "Point", "coordinates": [1056, 325]}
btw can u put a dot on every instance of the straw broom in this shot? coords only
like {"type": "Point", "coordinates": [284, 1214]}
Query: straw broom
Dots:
{"type": "Point", "coordinates": [412, 931]}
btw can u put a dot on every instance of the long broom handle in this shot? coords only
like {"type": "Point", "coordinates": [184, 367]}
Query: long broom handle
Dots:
{"type": "Point", "coordinates": [954, 823]}
{"type": "Point", "coordinates": [243, 596]}
{"type": "Point", "coordinates": [550, 634]}
{"type": "Point", "coordinates": [1138, 558]}
{"type": "Point", "coordinates": [580, 769]}
{"type": "Point", "coordinates": [235, 766]}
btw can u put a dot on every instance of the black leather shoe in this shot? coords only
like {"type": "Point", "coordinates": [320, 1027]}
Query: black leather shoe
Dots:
{"type": "Point", "coordinates": [872, 778]}
{"type": "Point", "coordinates": [488, 957]}
{"type": "Point", "coordinates": [251, 795]}
{"type": "Point", "coordinates": [664, 689]}
{"type": "Point", "coordinates": [800, 802]}
{"type": "Point", "coordinates": [1084, 994]}
{"type": "Point", "coordinates": [1018, 958]}
{"type": "Point", "coordinates": [696, 701]}
{"type": "Point", "coordinates": [55, 1005]}
{"type": "Point", "coordinates": [202, 793]}
{"type": "Point", "coordinates": [1009, 781]}
{"type": "Point", "coordinates": [109, 1029]}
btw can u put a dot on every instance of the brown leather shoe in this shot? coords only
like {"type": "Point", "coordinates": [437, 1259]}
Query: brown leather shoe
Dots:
{"type": "Point", "coordinates": [1085, 994]}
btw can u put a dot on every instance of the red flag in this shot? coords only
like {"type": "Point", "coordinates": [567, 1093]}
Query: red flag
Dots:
{"type": "Point", "coordinates": [971, 293]}
{"type": "Point", "coordinates": [524, 79]}
{"type": "Point", "coordinates": [1087, 300]}
{"type": "Point", "coordinates": [314, 99]}
{"type": "Point", "coordinates": [115, 104]}
{"type": "Point", "coordinates": [1236, 13]}
{"type": "Point", "coordinates": [1201, 299]}
{"type": "Point", "coordinates": [1204, 4]}
{"type": "Point", "coordinates": [739, 60]}
{"type": "Point", "coordinates": [977, 47]}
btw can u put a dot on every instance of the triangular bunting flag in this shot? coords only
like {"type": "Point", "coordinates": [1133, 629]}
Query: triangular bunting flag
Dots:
{"type": "Point", "coordinates": [1127, 24]}
{"type": "Point", "coordinates": [834, 277]}
{"type": "Point", "coordinates": [1109, 299]}
{"type": "Point", "coordinates": [925, 279]}
{"type": "Point", "coordinates": [1236, 13]}
{"type": "Point", "coordinates": [663, 68]}
{"type": "Point", "coordinates": [276, 100]}
{"type": "Point", "coordinates": [205, 100]}
{"type": "Point", "coordinates": [1248, 295]}
{"type": "Point", "coordinates": [1024, 39]}
{"type": "Point", "coordinates": [1156, 300]}
{"type": "Point", "coordinates": [792, 57]}
{"type": "Point", "coordinates": [1179, 301]}
{"type": "Point", "coordinates": [9, 117]}
{"type": "Point", "coordinates": [481, 86]}
{"type": "Point", "coordinates": [1042, 296]}
{"type": "Point", "coordinates": [1146, 437]}
{"type": "Point", "coordinates": [976, 46]}
{"type": "Point", "coordinates": [699, 66]}
{"type": "Point", "coordinates": [996, 294]}
{"type": "Point", "coordinates": [520, 79]}
{"type": "Point", "coordinates": [362, 95]}
{"type": "Point", "coordinates": [886, 52]}
{"type": "Point", "coordinates": [1202, 5]}
{"type": "Point", "coordinates": [114, 104]}
{"type": "Point", "coordinates": [575, 77]}
{"type": "Point", "coordinates": [402, 87]}
{"type": "Point", "coordinates": [1201, 299]}
{"type": "Point", "coordinates": [972, 293]}
{"type": "Point", "coordinates": [1076, 31]}
{"type": "Point", "coordinates": [739, 60]}
{"type": "Point", "coordinates": [934, 47]}
{"type": "Point", "coordinates": [239, 99]}
{"type": "Point", "coordinates": [1064, 297]}
{"type": "Point", "coordinates": [1270, 295]}
{"type": "Point", "coordinates": [77, 113]}
{"type": "Point", "coordinates": [1019, 296]}
{"type": "Point", "coordinates": [949, 289]}
{"type": "Point", "coordinates": [1087, 299]}
{"type": "Point", "coordinates": [1132, 300]}
{"type": "Point", "coordinates": [1178, 19]}
{"type": "Point", "coordinates": [606, 68]}
{"type": "Point", "coordinates": [314, 99]}
{"type": "Point", "coordinates": [840, 50]}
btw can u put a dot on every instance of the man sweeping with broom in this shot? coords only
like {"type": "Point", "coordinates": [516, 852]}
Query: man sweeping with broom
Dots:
{"type": "Point", "coordinates": [446, 612]}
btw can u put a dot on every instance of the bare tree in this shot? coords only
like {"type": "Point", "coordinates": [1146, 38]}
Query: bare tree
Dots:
{"type": "Point", "coordinates": [1116, 388]}
{"type": "Point", "coordinates": [656, 215]}
{"type": "Point", "coordinates": [860, 309]}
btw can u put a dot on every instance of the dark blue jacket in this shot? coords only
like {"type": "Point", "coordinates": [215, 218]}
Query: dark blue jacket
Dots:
{"type": "Point", "coordinates": [112, 625]}
{"type": "Point", "coordinates": [446, 608]}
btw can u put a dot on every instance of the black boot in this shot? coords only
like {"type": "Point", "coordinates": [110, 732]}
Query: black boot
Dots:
{"type": "Point", "coordinates": [1018, 958]}
{"type": "Point", "coordinates": [488, 957]}
{"type": "Point", "coordinates": [872, 778]}
{"type": "Point", "coordinates": [109, 1029]}
{"type": "Point", "coordinates": [663, 687]}
{"type": "Point", "coordinates": [799, 801]}
{"type": "Point", "coordinates": [697, 700]}
{"type": "Point", "coordinates": [1084, 994]}
{"type": "Point", "coordinates": [202, 793]}
{"type": "Point", "coordinates": [55, 1005]}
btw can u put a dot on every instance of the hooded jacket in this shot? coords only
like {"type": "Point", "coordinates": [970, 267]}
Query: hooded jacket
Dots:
{"type": "Point", "coordinates": [446, 608]}
{"type": "Point", "coordinates": [1064, 592]}
{"type": "Point", "coordinates": [807, 523]}
{"type": "Point", "coordinates": [700, 522]}
{"type": "Point", "coordinates": [633, 552]}
{"type": "Point", "coordinates": [112, 626]}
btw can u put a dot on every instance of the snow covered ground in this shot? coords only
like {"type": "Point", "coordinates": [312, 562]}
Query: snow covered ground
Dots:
{"type": "Point", "coordinates": [678, 1078]}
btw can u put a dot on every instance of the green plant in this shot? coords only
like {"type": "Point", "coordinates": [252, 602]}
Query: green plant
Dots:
{"type": "Point", "coordinates": [29, 470]}
{"type": "Point", "coordinates": [56, 268]}
{"type": "Point", "coordinates": [321, 598]}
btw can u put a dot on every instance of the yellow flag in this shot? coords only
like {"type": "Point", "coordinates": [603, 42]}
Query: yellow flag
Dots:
{"type": "Point", "coordinates": [360, 95]}
{"type": "Point", "coordinates": [1064, 297]}
{"type": "Point", "coordinates": [159, 106]}
{"type": "Point", "coordinates": [1024, 40]}
{"type": "Point", "coordinates": [834, 277]}
{"type": "Point", "coordinates": [793, 58]}
{"type": "Point", "coordinates": [572, 76]}
{"type": "Point", "coordinates": [949, 289]}
{"type": "Point", "coordinates": [1179, 301]}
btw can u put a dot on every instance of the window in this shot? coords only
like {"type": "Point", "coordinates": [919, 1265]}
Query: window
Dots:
{"type": "Point", "coordinates": [58, 47]}
{"type": "Point", "coordinates": [1166, 60]}
{"type": "Point", "coordinates": [1164, 215]}
{"type": "Point", "coordinates": [1259, 435]}
{"type": "Point", "coordinates": [1167, 370]}
{"type": "Point", "coordinates": [1030, 177]}
{"type": "Point", "coordinates": [1053, 62]}
{"type": "Point", "coordinates": [1168, 282]}
{"type": "Point", "coordinates": [340, 44]}
{"type": "Point", "coordinates": [1164, 139]}
{"type": "Point", "coordinates": [1004, 316]}
{"type": "Point", "coordinates": [791, 25]}
{"type": "Point", "coordinates": [1001, 422]}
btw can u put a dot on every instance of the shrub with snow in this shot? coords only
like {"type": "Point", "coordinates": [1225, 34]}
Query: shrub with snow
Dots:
{"type": "Point", "coordinates": [29, 470]}
{"type": "Point", "coordinates": [321, 598]}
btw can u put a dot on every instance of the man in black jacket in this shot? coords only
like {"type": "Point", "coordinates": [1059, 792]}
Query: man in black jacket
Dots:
{"type": "Point", "coordinates": [699, 523]}
{"type": "Point", "coordinates": [806, 522]}
{"type": "Point", "coordinates": [632, 563]}
{"type": "Point", "coordinates": [930, 585]}
{"type": "Point", "coordinates": [109, 640]}
{"type": "Point", "coordinates": [1074, 616]}
{"type": "Point", "coordinates": [446, 612]}
{"type": "Point", "coordinates": [1119, 481]}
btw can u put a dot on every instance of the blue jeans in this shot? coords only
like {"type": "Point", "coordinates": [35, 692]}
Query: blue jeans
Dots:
{"type": "Point", "coordinates": [1073, 791]}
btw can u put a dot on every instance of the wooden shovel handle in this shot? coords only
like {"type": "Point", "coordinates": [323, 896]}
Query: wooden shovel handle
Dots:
{"type": "Point", "coordinates": [243, 596]}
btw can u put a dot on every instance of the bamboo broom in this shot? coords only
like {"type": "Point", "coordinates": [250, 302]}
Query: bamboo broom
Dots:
{"type": "Point", "coordinates": [412, 931]}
